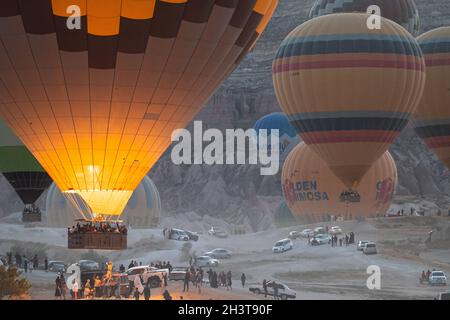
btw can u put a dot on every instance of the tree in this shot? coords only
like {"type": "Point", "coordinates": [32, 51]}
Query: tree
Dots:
{"type": "Point", "coordinates": [11, 284]}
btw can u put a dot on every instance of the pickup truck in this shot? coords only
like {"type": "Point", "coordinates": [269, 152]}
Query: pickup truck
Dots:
{"type": "Point", "coordinates": [154, 275]}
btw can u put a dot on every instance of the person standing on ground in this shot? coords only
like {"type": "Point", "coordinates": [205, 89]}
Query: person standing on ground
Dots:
{"type": "Point", "coordinates": [147, 292]}
{"type": "Point", "coordinates": [25, 264]}
{"type": "Point", "coordinates": [265, 288]}
{"type": "Point", "coordinates": [187, 277]}
{"type": "Point", "coordinates": [199, 281]}
{"type": "Point", "coordinates": [243, 280]}
{"type": "Point", "coordinates": [46, 264]}
{"type": "Point", "coordinates": [58, 287]}
{"type": "Point", "coordinates": [136, 294]}
{"type": "Point", "coordinates": [63, 286]}
{"type": "Point", "coordinates": [166, 295]}
{"type": "Point", "coordinates": [75, 289]}
{"type": "Point", "coordinates": [275, 290]}
{"type": "Point", "coordinates": [228, 280]}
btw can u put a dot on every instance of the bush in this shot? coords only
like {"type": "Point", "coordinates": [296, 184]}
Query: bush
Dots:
{"type": "Point", "coordinates": [10, 284]}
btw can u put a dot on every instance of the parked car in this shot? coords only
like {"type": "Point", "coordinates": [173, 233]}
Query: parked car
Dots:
{"type": "Point", "coordinates": [177, 274]}
{"type": "Point", "coordinates": [219, 253]}
{"type": "Point", "coordinates": [319, 230]}
{"type": "Point", "coordinates": [443, 296]}
{"type": "Point", "coordinates": [438, 278]}
{"type": "Point", "coordinates": [178, 235]}
{"type": "Point", "coordinates": [307, 233]}
{"type": "Point", "coordinates": [57, 266]}
{"type": "Point", "coordinates": [320, 239]}
{"type": "Point", "coordinates": [192, 235]}
{"type": "Point", "coordinates": [283, 246]}
{"type": "Point", "coordinates": [361, 245]}
{"type": "Point", "coordinates": [284, 292]}
{"type": "Point", "coordinates": [335, 230]}
{"type": "Point", "coordinates": [205, 261]}
{"type": "Point", "coordinates": [88, 265]}
{"type": "Point", "coordinates": [370, 248]}
{"type": "Point", "coordinates": [217, 232]}
{"type": "Point", "coordinates": [294, 235]}
{"type": "Point", "coordinates": [154, 275]}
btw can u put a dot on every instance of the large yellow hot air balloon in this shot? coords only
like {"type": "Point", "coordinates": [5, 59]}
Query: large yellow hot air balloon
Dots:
{"type": "Point", "coordinates": [348, 90]}
{"type": "Point", "coordinates": [311, 190]}
{"type": "Point", "coordinates": [433, 115]}
{"type": "Point", "coordinates": [97, 105]}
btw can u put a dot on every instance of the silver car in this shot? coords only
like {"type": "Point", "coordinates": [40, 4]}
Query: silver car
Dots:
{"type": "Point", "coordinates": [438, 278]}
{"type": "Point", "coordinates": [370, 248]}
{"type": "Point", "coordinates": [205, 261]}
{"type": "Point", "coordinates": [219, 253]}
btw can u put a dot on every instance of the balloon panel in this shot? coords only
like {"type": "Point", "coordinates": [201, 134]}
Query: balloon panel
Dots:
{"type": "Point", "coordinates": [20, 168]}
{"type": "Point", "coordinates": [97, 105]}
{"type": "Point", "coordinates": [404, 12]}
{"type": "Point", "coordinates": [312, 191]}
{"type": "Point", "coordinates": [348, 91]}
{"type": "Point", "coordinates": [433, 115]}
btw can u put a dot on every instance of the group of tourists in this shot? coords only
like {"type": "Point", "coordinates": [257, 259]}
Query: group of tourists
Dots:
{"type": "Point", "coordinates": [21, 261]}
{"type": "Point", "coordinates": [221, 279]}
{"type": "Point", "coordinates": [347, 240]}
{"type": "Point", "coordinates": [99, 227]}
{"type": "Point", "coordinates": [33, 209]}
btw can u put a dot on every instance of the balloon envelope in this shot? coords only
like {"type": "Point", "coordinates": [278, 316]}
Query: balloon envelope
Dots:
{"type": "Point", "coordinates": [404, 12]}
{"type": "Point", "coordinates": [433, 114]}
{"type": "Point", "coordinates": [286, 133]}
{"type": "Point", "coordinates": [347, 90]}
{"type": "Point", "coordinates": [143, 210]}
{"type": "Point", "coordinates": [312, 191]}
{"type": "Point", "coordinates": [97, 105]}
{"type": "Point", "coordinates": [20, 168]}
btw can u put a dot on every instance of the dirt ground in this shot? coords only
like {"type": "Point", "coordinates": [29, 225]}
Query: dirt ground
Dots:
{"type": "Point", "coordinates": [319, 272]}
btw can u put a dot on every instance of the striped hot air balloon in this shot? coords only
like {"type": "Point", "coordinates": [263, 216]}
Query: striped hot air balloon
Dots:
{"type": "Point", "coordinates": [97, 105]}
{"type": "Point", "coordinates": [311, 190]}
{"type": "Point", "coordinates": [404, 12]}
{"type": "Point", "coordinates": [348, 90]}
{"type": "Point", "coordinates": [20, 168]}
{"type": "Point", "coordinates": [433, 115]}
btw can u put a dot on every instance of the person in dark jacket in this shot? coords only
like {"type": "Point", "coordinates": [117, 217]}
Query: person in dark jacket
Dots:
{"type": "Point", "coordinates": [166, 295]}
{"type": "Point", "coordinates": [264, 284]}
{"type": "Point", "coordinates": [147, 292]}
{"type": "Point", "coordinates": [136, 294]}
{"type": "Point", "coordinates": [187, 278]}
{"type": "Point", "coordinates": [243, 278]}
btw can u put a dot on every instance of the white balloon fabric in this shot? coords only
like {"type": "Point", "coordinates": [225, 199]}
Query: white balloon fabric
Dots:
{"type": "Point", "coordinates": [142, 211]}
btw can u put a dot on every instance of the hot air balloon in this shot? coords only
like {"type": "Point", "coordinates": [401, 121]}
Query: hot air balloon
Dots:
{"type": "Point", "coordinates": [23, 172]}
{"type": "Point", "coordinates": [311, 190]}
{"type": "Point", "coordinates": [404, 12]}
{"type": "Point", "coordinates": [286, 133]}
{"type": "Point", "coordinates": [433, 115]}
{"type": "Point", "coordinates": [97, 105]}
{"type": "Point", "coordinates": [348, 90]}
{"type": "Point", "coordinates": [143, 210]}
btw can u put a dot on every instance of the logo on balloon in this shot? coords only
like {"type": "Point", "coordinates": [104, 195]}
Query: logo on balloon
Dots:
{"type": "Point", "coordinates": [385, 191]}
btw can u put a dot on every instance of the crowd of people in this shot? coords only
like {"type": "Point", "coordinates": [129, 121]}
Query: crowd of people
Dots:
{"type": "Point", "coordinates": [347, 240]}
{"type": "Point", "coordinates": [33, 209]}
{"type": "Point", "coordinates": [21, 261]}
{"type": "Point", "coordinates": [99, 227]}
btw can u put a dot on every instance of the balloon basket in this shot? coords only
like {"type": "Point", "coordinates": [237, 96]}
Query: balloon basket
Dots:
{"type": "Point", "coordinates": [101, 241]}
{"type": "Point", "coordinates": [350, 196]}
{"type": "Point", "coordinates": [29, 217]}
